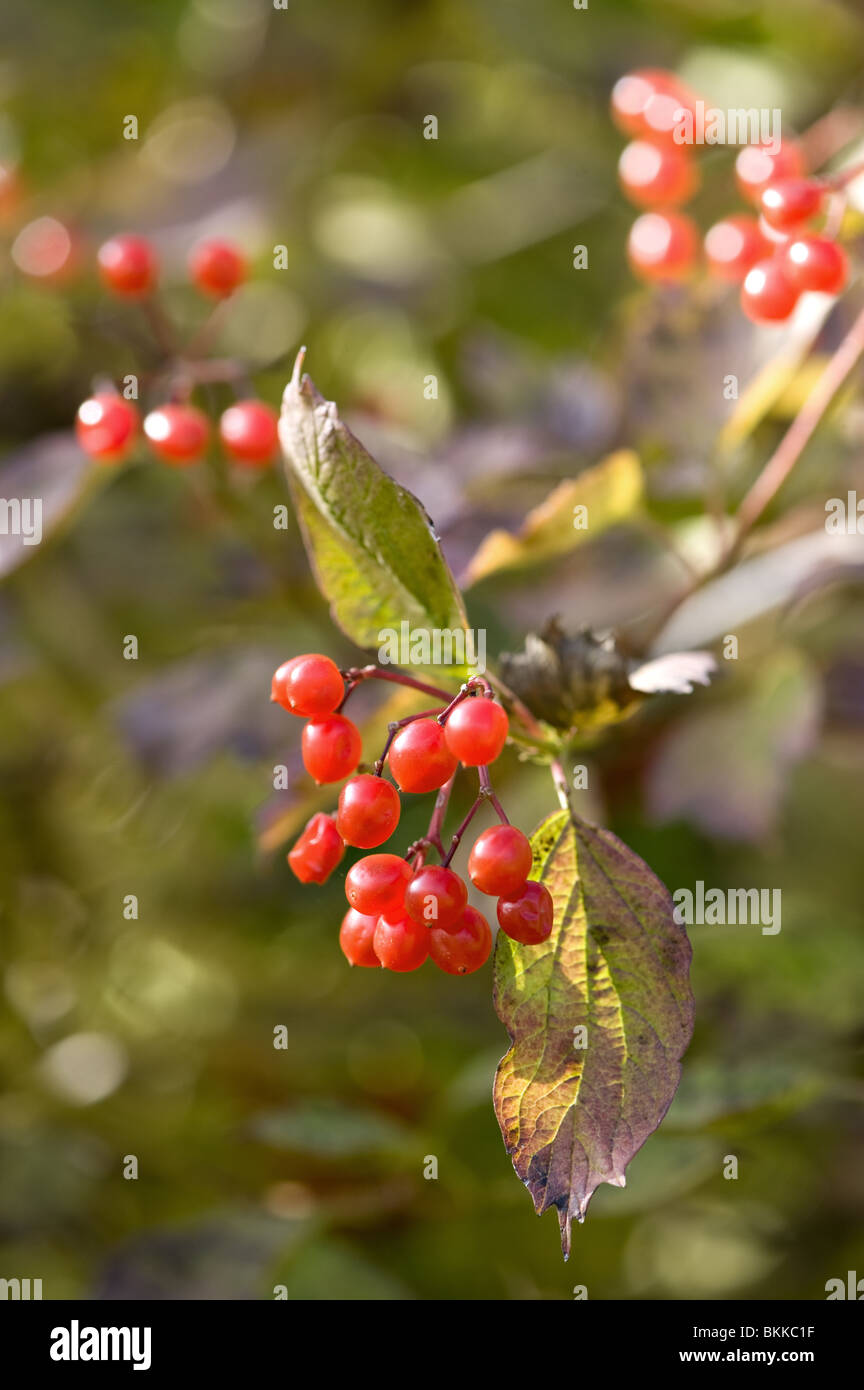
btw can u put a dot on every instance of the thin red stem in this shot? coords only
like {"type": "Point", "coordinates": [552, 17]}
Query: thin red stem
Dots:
{"type": "Point", "coordinates": [355, 674]}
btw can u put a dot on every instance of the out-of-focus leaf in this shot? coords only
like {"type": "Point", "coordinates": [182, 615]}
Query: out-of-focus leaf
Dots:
{"type": "Point", "coordinates": [610, 492]}
{"type": "Point", "coordinates": [711, 1092]}
{"type": "Point", "coordinates": [53, 475]}
{"type": "Point", "coordinates": [616, 965]}
{"type": "Point", "coordinates": [724, 769]}
{"type": "Point", "coordinates": [327, 1129]}
{"type": "Point", "coordinates": [373, 547]}
{"type": "Point", "coordinates": [674, 674]}
{"type": "Point", "coordinates": [201, 706]}
{"type": "Point", "coordinates": [755, 586]}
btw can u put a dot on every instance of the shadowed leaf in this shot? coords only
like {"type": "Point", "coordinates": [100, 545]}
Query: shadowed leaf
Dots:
{"type": "Point", "coordinates": [616, 964]}
{"type": "Point", "coordinates": [370, 541]}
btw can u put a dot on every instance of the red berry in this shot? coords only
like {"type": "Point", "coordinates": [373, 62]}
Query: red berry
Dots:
{"type": "Point", "coordinates": [128, 265]}
{"type": "Point", "coordinates": [177, 433]}
{"type": "Point", "coordinates": [308, 685]}
{"type": "Point", "coordinates": [420, 760]}
{"type": "Point", "coordinates": [331, 747]}
{"type": "Point", "coordinates": [377, 883]}
{"type": "Point", "coordinates": [634, 91]}
{"type": "Point", "coordinates": [815, 263]}
{"type": "Point", "coordinates": [46, 250]}
{"type": "Point", "coordinates": [400, 943]}
{"type": "Point", "coordinates": [529, 916]}
{"type": "Point", "coordinates": [768, 295]}
{"type": "Point", "coordinates": [277, 684]}
{"type": "Point", "coordinates": [500, 861]}
{"type": "Point", "coordinates": [655, 175]}
{"type": "Point", "coordinates": [756, 167]}
{"type": "Point", "coordinates": [772, 235]}
{"type": "Point", "coordinates": [105, 427]}
{"type": "Point", "coordinates": [662, 246]}
{"type": "Point", "coordinates": [790, 201]}
{"type": "Point", "coordinates": [368, 811]}
{"type": "Point", "coordinates": [217, 267]}
{"type": "Point", "coordinates": [355, 938]}
{"type": "Point", "coordinates": [436, 897]}
{"type": "Point", "coordinates": [733, 246]}
{"type": "Point", "coordinates": [476, 731]}
{"type": "Point", "coordinates": [465, 947]}
{"type": "Point", "coordinates": [318, 850]}
{"type": "Point", "coordinates": [664, 112]}
{"type": "Point", "coordinates": [248, 431]}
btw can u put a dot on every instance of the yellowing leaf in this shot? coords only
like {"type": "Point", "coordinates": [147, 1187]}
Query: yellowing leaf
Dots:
{"type": "Point", "coordinates": [610, 492]}
{"type": "Point", "coordinates": [599, 1016]}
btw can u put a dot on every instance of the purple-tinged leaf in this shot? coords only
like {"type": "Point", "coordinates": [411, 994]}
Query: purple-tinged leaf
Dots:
{"type": "Point", "coordinates": [575, 1107]}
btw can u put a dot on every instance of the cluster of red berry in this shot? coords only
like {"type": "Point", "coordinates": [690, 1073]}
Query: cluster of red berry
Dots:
{"type": "Point", "coordinates": [775, 256]}
{"type": "Point", "coordinates": [403, 909]}
{"type": "Point", "coordinates": [177, 432]}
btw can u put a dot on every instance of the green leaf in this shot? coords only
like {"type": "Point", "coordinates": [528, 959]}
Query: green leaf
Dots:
{"type": "Point", "coordinates": [370, 542]}
{"type": "Point", "coordinates": [617, 964]}
{"type": "Point", "coordinates": [610, 491]}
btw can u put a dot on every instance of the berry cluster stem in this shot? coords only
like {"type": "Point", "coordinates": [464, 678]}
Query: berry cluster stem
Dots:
{"type": "Point", "coordinates": [354, 675]}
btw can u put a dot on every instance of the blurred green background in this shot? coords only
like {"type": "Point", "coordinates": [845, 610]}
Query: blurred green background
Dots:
{"type": "Point", "coordinates": [153, 1037]}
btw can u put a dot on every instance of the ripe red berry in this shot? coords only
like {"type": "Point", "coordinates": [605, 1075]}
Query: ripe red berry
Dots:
{"type": "Point", "coordinates": [662, 246]}
{"type": "Point", "coordinates": [217, 267]}
{"type": "Point", "coordinates": [733, 246]}
{"type": "Point", "coordinates": [377, 883]}
{"type": "Point", "coordinates": [400, 943]}
{"type": "Point", "coordinates": [815, 263]}
{"type": "Point", "coordinates": [436, 897]}
{"type": "Point", "coordinates": [128, 266]}
{"type": "Point", "coordinates": [248, 431]}
{"type": "Point", "coordinates": [500, 861]}
{"type": "Point", "coordinates": [664, 113]}
{"type": "Point", "coordinates": [465, 947]}
{"type": "Point", "coordinates": [476, 731]}
{"type": "Point", "coordinates": [368, 811]}
{"type": "Point", "coordinates": [756, 167]}
{"type": "Point", "coordinates": [768, 295]}
{"type": "Point", "coordinates": [789, 202]}
{"type": "Point", "coordinates": [331, 747]}
{"type": "Point", "coordinates": [420, 760]}
{"type": "Point", "coordinates": [355, 938]}
{"type": "Point", "coordinates": [308, 685]}
{"type": "Point", "coordinates": [318, 850]}
{"type": "Point", "coordinates": [656, 175]}
{"type": "Point", "coordinates": [634, 91]}
{"type": "Point", "coordinates": [177, 433]}
{"type": "Point", "coordinates": [772, 235]}
{"type": "Point", "coordinates": [105, 427]}
{"type": "Point", "coordinates": [529, 916]}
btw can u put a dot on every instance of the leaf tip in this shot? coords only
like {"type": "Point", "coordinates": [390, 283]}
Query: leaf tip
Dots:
{"type": "Point", "coordinates": [298, 366]}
